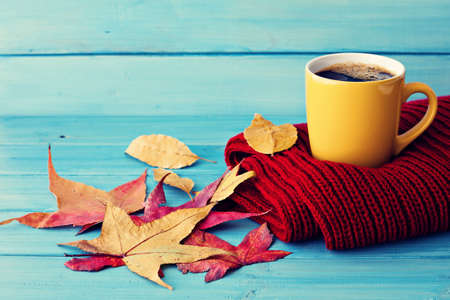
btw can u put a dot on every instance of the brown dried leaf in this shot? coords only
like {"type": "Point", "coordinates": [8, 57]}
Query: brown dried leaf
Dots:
{"type": "Point", "coordinates": [145, 248]}
{"type": "Point", "coordinates": [265, 137]}
{"type": "Point", "coordinates": [230, 181]}
{"type": "Point", "coordinates": [183, 183]}
{"type": "Point", "coordinates": [162, 151]}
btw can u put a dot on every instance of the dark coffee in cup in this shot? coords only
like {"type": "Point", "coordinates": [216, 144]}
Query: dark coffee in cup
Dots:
{"type": "Point", "coordinates": [354, 72]}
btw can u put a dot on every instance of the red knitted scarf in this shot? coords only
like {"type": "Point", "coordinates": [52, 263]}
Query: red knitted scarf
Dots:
{"type": "Point", "coordinates": [351, 206]}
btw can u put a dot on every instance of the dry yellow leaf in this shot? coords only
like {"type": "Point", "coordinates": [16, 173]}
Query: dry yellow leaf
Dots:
{"type": "Point", "coordinates": [265, 137]}
{"type": "Point", "coordinates": [162, 151]}
{"type": "Point", "coordinates": [183, 183]}
{"type": "Point", "coordinates": [229, 182]}
{"type": "Point", "coordinates": [145, 248]}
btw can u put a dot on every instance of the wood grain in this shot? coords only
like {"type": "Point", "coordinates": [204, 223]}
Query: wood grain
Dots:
{"type": "Point", "coordinates": [93, 160]}
{"type": "Point", "coordinates": [155, 86]}
{"type": "Point", "coordinates": [90, 130]}
{"type": "Point", "coordinates": [416, 278]}
{"type": "Point", "coordinates": [102, 26]}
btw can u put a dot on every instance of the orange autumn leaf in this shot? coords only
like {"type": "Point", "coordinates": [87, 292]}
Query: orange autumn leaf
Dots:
{"type": "Point", "coordinates": [265, 137]}
{"type": "Point", "coordinates": [183, 183]}
{"type": "Point", "coordinates": [229, 183]}
{"type": "Point", "coordinates": [145, 248]}
{"type": "Point", "coordinates": [80, 204]}
{"type": "Point", "coordinates": [162, 151]}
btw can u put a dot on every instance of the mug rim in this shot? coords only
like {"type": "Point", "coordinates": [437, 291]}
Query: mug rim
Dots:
{"type": "Point", "coordinates": [394, 66]}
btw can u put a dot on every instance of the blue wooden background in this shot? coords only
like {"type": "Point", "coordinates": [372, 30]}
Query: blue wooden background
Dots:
{"type": "Point", "coordinates": [103, 72]}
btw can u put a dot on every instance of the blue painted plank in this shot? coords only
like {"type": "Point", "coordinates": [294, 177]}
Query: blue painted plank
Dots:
{"type": "Point", "coordinates": [20, 240]}
{"type": "Point", "coordinates": [47, 278]}
{"type": "Point", "coordinates": [94, 130]}
{"type": "Point", "coordinates": [53, 26]}
{"type": "Point", "coordinates": [155, 86]}
{"type": "Point", "coordinates": [94, 160]}
{"type": "Point", "coordinates": [34, 196]}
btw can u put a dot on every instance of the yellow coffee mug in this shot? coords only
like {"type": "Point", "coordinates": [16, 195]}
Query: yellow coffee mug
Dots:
{"type": "Point", "coordinates": [357, 122]}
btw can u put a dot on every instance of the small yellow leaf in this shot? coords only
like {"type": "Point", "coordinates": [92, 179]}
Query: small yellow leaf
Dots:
{"type": "Point", "coordinates": [162, 151]}
{"type": "Point", "coordinates": [184, 184]}
{"type": "Point", "coordinates": [265, 137]}
{"type": "Point", "coordinates": [230, 181]}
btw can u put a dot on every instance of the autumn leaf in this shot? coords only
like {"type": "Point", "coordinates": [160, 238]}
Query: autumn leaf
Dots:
{"type": "Point", "coordinates": [265, 137]}
{"type": "Point", "coordinates": [252, 249]}
{"type": "Point", "coordinates": [97, 263]}
{"type": "Point", "coordinates": [80, 204]}
{"type": "Point", "coordinates": [230, 181]}
{"type": "Point", "coordinates": [94, 263]}
{"type": "Point", "coordinates": [218, 217]}
{"type": "Point", "coordinates": [184, 184]}
{"type": "Point", "coordinates": [145, 248]}
{"type": "Point", "coordinates": [153, 209]}
{"type": "Point", "coordinates": [162, 151]}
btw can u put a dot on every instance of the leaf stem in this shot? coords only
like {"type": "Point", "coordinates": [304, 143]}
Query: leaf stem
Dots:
{"type": "Point", "coordinates": [208, 160]}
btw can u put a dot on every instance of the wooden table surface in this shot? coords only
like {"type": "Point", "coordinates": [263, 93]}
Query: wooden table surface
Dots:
{"type": "Point", "coordinates": [89, 76]}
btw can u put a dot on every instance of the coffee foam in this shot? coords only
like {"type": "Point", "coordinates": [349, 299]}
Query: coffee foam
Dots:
{"type": "Point", "coordinates": [360, 71]}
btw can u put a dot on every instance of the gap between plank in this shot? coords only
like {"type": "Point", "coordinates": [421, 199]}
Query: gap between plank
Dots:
{"type": "Point", "coordinates": [212, 53]}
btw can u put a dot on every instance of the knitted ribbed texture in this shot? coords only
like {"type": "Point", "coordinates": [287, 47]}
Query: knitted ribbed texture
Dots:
{"type": "Point", "coordinates": [351, 206]}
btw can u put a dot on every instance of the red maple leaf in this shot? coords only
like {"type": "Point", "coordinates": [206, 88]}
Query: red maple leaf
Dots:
{"type": "Point", "coordinates": [252, 249]}
{"type": "Point", "coordinates": [97, 263]}
{"type": "Point", "coordinates": [94, 263]}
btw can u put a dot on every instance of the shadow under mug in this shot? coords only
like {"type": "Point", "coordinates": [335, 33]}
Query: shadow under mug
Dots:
{"type": "Point", "coordinates": [357, 122]}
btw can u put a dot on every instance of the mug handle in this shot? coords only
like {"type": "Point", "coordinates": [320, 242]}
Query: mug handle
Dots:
{"type": "Point", "coordinates": [407, 137]}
